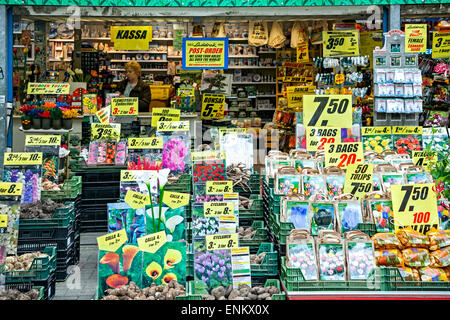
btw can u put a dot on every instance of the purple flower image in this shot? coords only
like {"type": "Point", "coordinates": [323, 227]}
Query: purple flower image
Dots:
{"type": "Point", "coordinates": [29, 176]}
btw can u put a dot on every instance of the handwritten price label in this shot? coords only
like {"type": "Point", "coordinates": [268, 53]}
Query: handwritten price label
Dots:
{"type": "Point", "coordinates": [124, 106]}
{"type": "Point", "coordinates": [103, 115]}
{"type": "Point", "coordinates": [48, 140]}
{"type": "Point", "coordinates": [317, 137]}
{"type": "Point", "coordinates": [295, 95]}
{"type": "Point", "coordinates": [172, 126]}
{"type": "Point", "coordinates": [358, 179]}
{"type": "Point", "coordinates": [327, 110]}
{"type": "Point", "coordinates": [22, 158]}
{"type": "Point", "coordinates": [112, 241]}
{"type": "Point", "coordinates": [175, 199]}
{"type": "Point", "coordinates": [152, 242]}
{"type": "Point", "coordinates": [222, 241]}
{"type": "Point", "coordinates": [48, 88]}
{"type": "Point", "coordinates": [214, 209]}
{"type": "Point", "coordinates": [441, 45]}
{"type": "Point", "coordinates": [137, 200]}
{"type": "Point", "coordinates": [302, 52]}
{"type": "Point", "coordinates": [145, 143]}
{"type": "Point", "coordinates": [208, 155]}
{"type": "Point", "coordinates": [137, 175]}
{"type": "Point", "coordinates": [343, 154]}
{"type": "Point", "coordinates": [218, 187]}
{"type": "Point", "coordinates": [10, 189]}
{"type": "Point", "coordinates": [424, 158]}
{"type": "Point", "coordinates": [164, 114]}
{"type": "Point", "coordinates": [415, 205]}
{"type": "Point", "coordinates": [102, 131]}
{"type": "Point", "coordinates": [213, 106]}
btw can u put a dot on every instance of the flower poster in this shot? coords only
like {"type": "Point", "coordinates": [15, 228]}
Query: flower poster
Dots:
{"type": "Point", "coordinates": [89, 103]}
{"type": "Point", "coordinates": [50, 161]}
{"type": "Point", "coordinates": [166, 264]}
{"type": "Point", "coordinates": [122, 216]}
{"type": "Point", "coordinates": [29, 176]}
{"type": "Point", "coordinates": [176, 154]}
{"type": "Point", "coordinates": [173, 222]}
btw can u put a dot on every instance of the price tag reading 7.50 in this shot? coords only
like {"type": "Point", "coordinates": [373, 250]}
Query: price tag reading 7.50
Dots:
{"type": "Point", "coordinates": [327, 110]}
{"type": "Point", "coordinates": [415, 205]}
{"type": "Point", "coordinates": [358, 179]}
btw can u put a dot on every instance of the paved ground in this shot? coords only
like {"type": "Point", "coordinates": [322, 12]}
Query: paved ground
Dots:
{"type": "Point", "coordinates": [81, 284]}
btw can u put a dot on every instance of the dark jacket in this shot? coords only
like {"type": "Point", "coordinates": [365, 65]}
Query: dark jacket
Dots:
{"type": "Point", "coordinates": [141, 91]}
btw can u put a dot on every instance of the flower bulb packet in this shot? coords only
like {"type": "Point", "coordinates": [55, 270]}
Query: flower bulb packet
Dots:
{"type": "Point", "coordinates": [144, 159]}
{"type": "Point", "coordinates": [122, 216]}
{"type": "Point", "coordinates": [238, 149]}
{"type": "Point", "coordinates": [31, 178]}
{"type": "Point", "coordinates": [350, 215]}
{"type": "Point", "coordinates": [173, 221]}
{"type": "Point", "coordinates": [93, 154]}
{"type": "Point", "coordinates": [377, 143]}
{"type": "Point", "coordinates": [438, 238]}
{"type": "Point", "coordinates": [409, 274]}
{"type": "Point", "coordinates": [440, 257]}
{"type": "Point", "coordinates": [418, 177]}
{"type": "Point", "coordinates": [314, 185]}
{"type": "Point", "coordinates": [335, 185]}
{"type": "Point", "coordinates": [416, 257]}
{"type": "Point", "coordinates": [297, 212]}
{"type": "Point", "coordinates": [410, 238]}
{"type": "Point", "coordinates": [385, 240]}
{"type": "Point", "coordinates": [303, 256]}
{"type": "Point", "coordinates": [406, 144]}
{"type": "Point", "coordinates": [322, 216]}
{"type": "Point", "coordinates": [288, 184]}
{"type": "Point", "coordinates": [9, 236]}
{"type": "Point", "coordinates": [381, 211]}
{"type": "Point", "coordinates": [331, 262]}
{"type": "Point", "coordinates": [389, 179]}
{"type": "Point", "coordinates": [210, 170]}
{"type": "Point", "coordinates": [389, 258]}
{"type": "Point", "coordinates": [50, 161]}
{"type": "Point", "coordinates": [433, 274]}
{"type": "Point", "coordinates": [360, 259]}
{"type": "Point", "coordinates": [176, 154]}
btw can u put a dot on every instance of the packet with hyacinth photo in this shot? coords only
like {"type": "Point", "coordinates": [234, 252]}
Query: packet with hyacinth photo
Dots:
{"type": "Point", "coordinates": [9, 236]}
{"type": "Point", "coordinates": [295, 209]}
{"type": "Point", "coordinates": [31, 178]}
{"type": "Point", "coordinates": [176, 154]}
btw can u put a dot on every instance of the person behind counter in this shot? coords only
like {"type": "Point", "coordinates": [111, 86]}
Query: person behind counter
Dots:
{"type": "Point", "coordinates": [134, 86]}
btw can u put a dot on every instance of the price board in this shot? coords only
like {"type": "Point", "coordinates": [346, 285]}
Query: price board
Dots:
{"type": "Point", "coordinates": [164, 114]}
{"type": "Point", "coordinates": [415, 205]}
{"type": "Point", "coordinates": [176, 199]}
{"type": "Point", "coordinates": [207, 155]}
{"type": "Point", "coordinates": [172, 126]}
{"type": "Point", "coordinates": [441, 45]}
{"type": "Point", "coordinates": [48, 88]}
{"type": "Point", "coordinates": [219, 208]}
{"type": "Point", "coordinates": [343, 154]}
{"type": "Point", "coordinates": [302, 52]}
{"type": "Point", "coordinates": [340, 43]}
{"type": "Point", "coordinates": [424, 158]}
{"type": "Point", "coordinates": [358, 179]}
{"type": "Point", "coordinates": [152, 242]}
{"type": "Point", "coordinates": [317, 137]}
{"type": "Point", "coordinates": [3, 223]}
{"type": "Point", "coordinates": [222, 241]}
{"type": "Point", "coordinates": [213, 106]}
{"type": "Point", "coordinates": [327, 110]}
{"type": "Point", "coordinates": [44, 140]}
{"type": "Point", "coordinates": [137, 175]}
{"type": "Point", "coordinates": [145, 143]}
{"type": "Point", "coordinates": [218, 187]}
{"type": "Point", "coordinates": [295, 95]}
{"type": "Point", "coordinates": [22, 158]}
{"type": "Point", "coordinates": [10, 189]}
{"type": "Point", "coordinates": [112, 241]}
{"type": "Point", "coordinates": [103, 131]}
{"type": "Point", "coordinates": [125, 106]}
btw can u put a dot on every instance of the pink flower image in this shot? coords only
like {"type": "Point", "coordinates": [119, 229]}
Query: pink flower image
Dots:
{"type": "Point", "coordinates": [174, 153]}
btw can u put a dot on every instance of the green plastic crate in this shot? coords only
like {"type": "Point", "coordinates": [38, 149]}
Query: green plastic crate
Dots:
{"type": "Point", "coordinates": [63, 217]}
{"type": "Point", "coordinates": [275, 283]}
{"type": "Point", "coordinates": [41, 292]}
{"type": "Point", "coordinates": [183, 185]}
{"type": "Point", "coordinates": [40, 269]}
{"type": "Point", "coordinates": [392, 280]}
{"type": "Point", "coordinates": [190, 295]}
{"type": "Point", "coordinates": [70, 190]}
{"type": "Point", "coordinates": [254, 184]}
{"type": "Point", "coordinates": [269, 265]}
{"type": "Point", "coordinates": [368, 228]}
{"type": "Point", "coordinates": [294, 281]}
{"type": "Point", "coordinates": [256, 209]}
{"type": "Point", "coordinates": [281, 229]}
{"type": "Point", "coordinates": [260, 235]}
{"type": "Point", "coordinates": [190, 261]}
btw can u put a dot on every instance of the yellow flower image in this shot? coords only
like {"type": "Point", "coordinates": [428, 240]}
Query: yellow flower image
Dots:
{"type": "Point", "coordinates": [385, 142]}
{"type": "Point", "coordinates": [373, 143]}
{"type": "Point", "coordinates": [168, 277]}
{"type": "Point", "coordinates": [377, 138]}
{"type": "Point", "coordinates": [378, 149]}
{"type": "Point", "coordinates": [172, 257]}
{"type": "Point", "coordinates": [153, 270]}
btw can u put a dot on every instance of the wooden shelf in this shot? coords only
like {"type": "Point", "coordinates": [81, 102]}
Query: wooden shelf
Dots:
{"type": "Point", "coordinates": [253, 82]}
{"type": "Point", "coordinates": [153, 70]}
{"type": "Point", "coordinates": [243, 56]}
{"type": "Point", "coordinates": [238, 39]}
{"type": "Point", "coordinates": [61, 40]}
{"type": "Point", "coordinates": [174, 57]}
{"type": "Point", "coordinates": [131, 52]}
{"type": "Point", "coordinates": [162, 61]}
{"type": "Point", "coordinates": [99, 39]}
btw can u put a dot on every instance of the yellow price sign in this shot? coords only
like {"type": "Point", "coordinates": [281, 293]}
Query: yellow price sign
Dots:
{"type": "Point", "coordinates": [22, 158]}
{"type": "Point", "coordinates": [175, 199]}
{"type": "Point", "coordinates": [218, 187]}
{"type": "Point", "coordinates": [131, 37]}
{"type": "Point", "coordinates": [172, 126]}
{"type": "Point", "coordinates": [222, 241]}
{"type": "Point", "coordinates": [137, 200]}
{"type": "Point", "coordinates": [343, 154]}
{"type": "Point", "coordinates": [124, 106]}
{"type": "Point", "coordinates": [358, 179]}
{"type": "Point", "coordinates": [424, 158]}
{"type": "Point", "coordinates": [48, 88]}
{"type": "Point", "coordinates": [137, 175]}
{"type": "Point", "coordinates": [302, 52]}
{"type": "Point", "coordinates": [406, 130]}
{"type": "Point", "coordinates": [317, 137]}
{"type": "Point", "coordinates": [47, 140]}
{"type": "Point", "coordinates": [102, 131]}
{"type": "Point", "coordinates": [415, 38]}
{"type": "Point", "coordinates": [327, 110]}
{"type": "Point", "coordinates": [145, 143]}
{"type": "Point", "coordinates": [213, 106]}
{"type": "Point", "coordinates": [3, 222]}
{"type": "Point", "coordinates": [164, 114]}
{"type": "Point", "coordinates": [295, 95]}
{"type": "Point", "coordinates": [152, 242]}
{"type": "Point", "coordinates": [208, 155]}
{"type": "Point", "coordinates": [220, 208]}
{"type": "Point", "coordinates": [369, 131]}
{"type": "Point", "coordinates": [415, 205]}
{"type": "Point", "coordinates": [441, 45]}
{"type": "Point", "coordinates": [340, 43]}
{"type": "Point", "coordinates": [10, 189]}
{"type": "Point", "coordinates": [112, 241]}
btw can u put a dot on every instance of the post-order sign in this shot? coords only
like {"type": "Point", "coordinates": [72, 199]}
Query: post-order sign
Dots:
{"type": "Point", "coordinates": [205, 53]}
